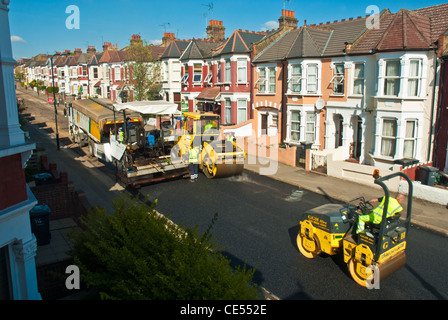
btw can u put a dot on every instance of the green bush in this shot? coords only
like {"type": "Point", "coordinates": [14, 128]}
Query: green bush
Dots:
{"type": "Point", "coordinates": [137, 254]}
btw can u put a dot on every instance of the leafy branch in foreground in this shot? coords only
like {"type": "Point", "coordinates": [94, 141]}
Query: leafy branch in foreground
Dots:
{"type": "Point", "coordinates": [137, 253]}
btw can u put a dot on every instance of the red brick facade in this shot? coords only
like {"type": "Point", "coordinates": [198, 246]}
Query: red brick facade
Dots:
{"type": "Point", "coordinates": [13, 186]}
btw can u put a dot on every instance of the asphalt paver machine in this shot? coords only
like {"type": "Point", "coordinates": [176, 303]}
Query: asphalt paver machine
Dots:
{"type": "Point", "coordinates": [372, 254]}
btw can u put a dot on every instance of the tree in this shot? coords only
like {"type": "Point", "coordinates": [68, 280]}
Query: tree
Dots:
{"type": "Point", "coordinates": [145, 71]}
{"type": "Point", "coordinates": [138, 254]}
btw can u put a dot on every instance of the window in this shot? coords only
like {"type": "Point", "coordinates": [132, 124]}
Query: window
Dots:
{"type": "Point", "coordinates": [84, 70]}
{"type": "Point", "coordinates": [242, 70]}
{"type": "Point", "coordinates": [410, 139]}
{"type": "Point", "coordinates": [414, 78]}
{"type": "Point", "coordinates": [295, 126]}
{"type": "Point", "coordinates": [392, 78]}
{"type": "Point", "coordinates": [242, 111]}
{"type": "Point", "coordinates": [228, 111]}
{"type": "Point", "coordinates": [184, 79]}
{"type": "Point", "coordinates": [95, 73]}
{"type": "Point", "coordinates": [388, 138]}
{"type": "Point", "coordinates": [338, 79]}
{"type": "Point", "coordinates": [218, 76]}
{"type": "Point", "coordinates": [117, 73]}
{"type": "Point", "coordinates": [272, 79]}
{"type": "Point", "coordinates": [208, 78]}
{"type": "Point", "coordinates": [358, 79]}
{"type": "Point", "coordinates": [197, 72]}
{"type": "Point", "coordinates": [267, 80]}
{"type": "Point", "coordinates": [295, 82]}
{"type": "Point", "coordinates": [228, 73]}
{"type": "Point", "coordinates": [262, 80]}
{"type": "Point", "coordinates": [312, 78]}
{"type": "Point", "coordinates": [310, 126]}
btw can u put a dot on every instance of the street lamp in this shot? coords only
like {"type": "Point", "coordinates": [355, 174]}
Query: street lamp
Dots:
{"type": "Point", "coordinates": [54, 98]}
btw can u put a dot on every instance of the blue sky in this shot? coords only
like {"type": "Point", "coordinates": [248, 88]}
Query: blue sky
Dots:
{"type": "Point", "coordinates": [40, 26]}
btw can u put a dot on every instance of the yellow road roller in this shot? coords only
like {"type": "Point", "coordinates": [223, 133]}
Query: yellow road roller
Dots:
{"type": "Point", "coordinates": [218, 157]}
{"type": "Point", "coordinates": [372, 254]}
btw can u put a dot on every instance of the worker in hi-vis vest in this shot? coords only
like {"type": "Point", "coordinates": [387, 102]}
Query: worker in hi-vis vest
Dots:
{"type": "Point", "coordinates": [376, 215]}
{"type": "Point", "coordinates": [194, 163]}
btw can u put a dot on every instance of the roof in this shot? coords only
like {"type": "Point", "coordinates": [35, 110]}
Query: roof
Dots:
{"type": "Point", "coordinates": [404, 30]}
{"type": "Point", "coordinates": [314, 41]}
{"type": "Point", "coordinates": [438, 16]}
{"type": "Point", "coordinates": [240, 42]}
{"type": "Point", "coordinates": [199, 49]}
{"type": "Point", "coordinates": [209, 94]}
{"type": "Point", "coordinates": [175, 49]}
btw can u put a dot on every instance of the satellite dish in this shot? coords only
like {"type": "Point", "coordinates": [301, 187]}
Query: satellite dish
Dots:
{"type": "Point", "coordinates": [320, 103]}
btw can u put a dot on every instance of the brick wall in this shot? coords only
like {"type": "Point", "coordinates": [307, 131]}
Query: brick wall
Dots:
{"type": "Point", "coordinates": [13, 183]}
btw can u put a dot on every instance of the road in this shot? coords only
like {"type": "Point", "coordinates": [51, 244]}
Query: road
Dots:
{"type": "Point", "coordinates": [258, 222]}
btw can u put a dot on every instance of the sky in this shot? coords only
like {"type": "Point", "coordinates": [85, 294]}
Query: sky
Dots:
{"type": "Point", "coordinates": [48, 26]}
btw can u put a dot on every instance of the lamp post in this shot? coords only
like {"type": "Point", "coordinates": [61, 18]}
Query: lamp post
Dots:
{"type": "Point", "coordinates": [54, 101]}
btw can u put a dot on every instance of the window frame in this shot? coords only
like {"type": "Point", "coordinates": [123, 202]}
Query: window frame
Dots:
{"type": "Point", "coordinates": [417, 78]}
{"type": "Point", "coordinates": [413, 138]}
{"type": "Point", "coordinates": [357, 78]}
{"type": "Point", "coordinates": [295, 77]}
{"type": "Point", "coordinates": [238, 120]}
{"type": "Point", "coordinates": [197, 72]}
{"type": "Point", "coordinates": [241, 64]}
{"type": "Point", "coordinates": [391, 138]}
{"type": "Point", "coordinates": [395, 78]}
{"type": "Point", "coordinates": [308, 65]}
{"type": "Point", "coordinates": [295, 121]}
{"type": "Point", "coordinates": [338, 79]}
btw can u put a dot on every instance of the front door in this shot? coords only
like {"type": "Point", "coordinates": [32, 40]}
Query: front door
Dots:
{"type": "Point", "coordinates": [264, 124]}
{"type": "Point", "coordinates": [357, 136]}
{"type": "Point", "coordinates": [338, 122]}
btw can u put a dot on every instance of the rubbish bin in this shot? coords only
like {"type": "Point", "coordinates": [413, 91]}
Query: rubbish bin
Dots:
{"type": "Point", "coordinates": [43, 178]}
{"type": "Point", "coordinates": [427, 175]}
{"type": "Point", "coordinates": [40, 224]}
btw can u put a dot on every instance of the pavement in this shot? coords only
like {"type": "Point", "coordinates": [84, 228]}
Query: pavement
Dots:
{"type": "Point", "coordinates": [86, 174]}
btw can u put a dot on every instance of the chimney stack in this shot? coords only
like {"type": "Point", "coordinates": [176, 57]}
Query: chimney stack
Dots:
{"type": "Point", "coordinates": [216, 30]}
{"type": "Point", "coordinates": [136, 39]}
{"type": "Point", "coordinates": [288, 20]}
{"type": "Point", "coordinates": [167, 39]}
{"type": "Point", "coordinates": [91, 50]}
